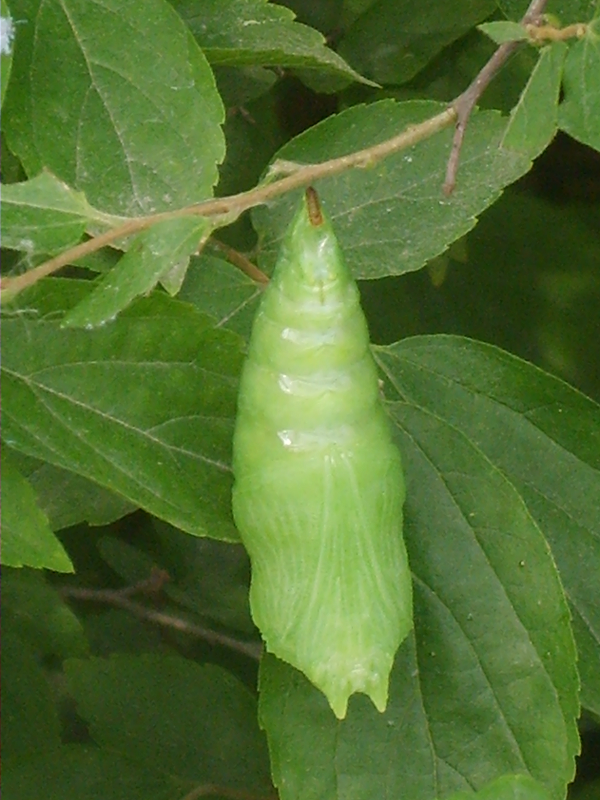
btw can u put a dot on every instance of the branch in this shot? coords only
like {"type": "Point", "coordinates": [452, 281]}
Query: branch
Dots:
{"type": "Point", "coordinates": [227, 209]}
{"type": "Point", "coordinates": [465, 102]}
{"type": "Point", "coordinates": [120, 599]}
{"type": "Point", "coordinates": [240, 261]}
{"type": "Point", "coordinates": [230, 208]}
{"type": "Point", "coordinates": [208, 789]}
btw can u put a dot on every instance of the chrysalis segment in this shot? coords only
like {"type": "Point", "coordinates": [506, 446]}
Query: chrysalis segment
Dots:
{"type": "Point", "coordinates": [318, 482]}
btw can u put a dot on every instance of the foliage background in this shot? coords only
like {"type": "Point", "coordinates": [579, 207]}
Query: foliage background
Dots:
{"type": "Point", "coordinates": [136, 676]}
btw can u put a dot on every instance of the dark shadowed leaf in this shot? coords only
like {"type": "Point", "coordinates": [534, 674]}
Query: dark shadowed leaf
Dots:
{"type": "Point", "coordinates": [87, 773]}
{"type": "Point", "coordinates": [394, 39]}
{"type": "Point", "coordinates": [195, 723]}
{"type": "Point", "coordinates": [29, 719]}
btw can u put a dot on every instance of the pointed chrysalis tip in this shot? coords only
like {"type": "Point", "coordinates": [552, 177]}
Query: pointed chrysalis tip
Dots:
{"type": "Point", "coordinates": [313, 206]}
{"type": "Point", "coordinates": [338, 696]}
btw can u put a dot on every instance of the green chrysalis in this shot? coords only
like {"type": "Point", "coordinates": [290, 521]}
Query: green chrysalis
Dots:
{"type": "Point", "coordinates": [318, 481]}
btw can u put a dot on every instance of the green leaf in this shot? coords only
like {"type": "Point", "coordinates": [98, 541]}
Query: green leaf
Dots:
{"type": "Point", "coordinates": [7, 32]}
{"type": "Point", "coordinates": [579, 113]}
{"type": "Point", "coordinates": [455, 68]}
{"type": "Point", "coordinates": [67, 498]}
{"type": "Point", "coordinates": [240, 85]}
{"type": "Point", "coordinates": [194, 723]}
{"type": "Point", "coordinates": [509, 787]}
{"type": "Point", "coordinates": [393, 217]}
{"type": "Point", "coordinates": [218, 288]}
{"type": "Point", "coordinates": [367, 756]}
{"type": "Point", "coordinates": [392, 41]}
{"type": "Point", "coordinates": [254, 133]}
{"type": "Point", "coordinates": [491, 686]}
{"type": "Point", "coordinates": [117, 100]}
{"type": "Point", "coordinates": [29, 719]}
{"type": "Point", "coordinates": [533, 121]}
{"type": "Point", "coordinates": [43, 215]}
{"type": "Point", "coordinates": [26, 535]}
{"type": "Point", "coordinates": [41, 618]}
{"type": "Point", "coordinates": [542, 434]}
{"type": "Point", "coordinates": [259, 33]}
{"type": "Point", "coordinates": [143, 405]}
{"type": "Point", "coordinates": [150, 255]}
{"type": "Point", "coordinates": [504, 31]}
{"type": "Point", "coordinates": [86, 773]}
{"type": "Point", "coordinates": [117, 631]}
{"type": "Point", "coordinates": [209, 578]}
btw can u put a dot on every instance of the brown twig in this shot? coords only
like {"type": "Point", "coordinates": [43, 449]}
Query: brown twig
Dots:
{"type": "Point", "coordinates": [151, 585]}
{"type": "Point", "coordinates": [465, 102]}
{"type": "Point", "coordinates": [240, 261]}
{"type": "Point", "coordinates": [208, 789]}
{"type": "Point", "coordinates": [120, 599]}
{"type": "Point", "coordinates": [229, 208]}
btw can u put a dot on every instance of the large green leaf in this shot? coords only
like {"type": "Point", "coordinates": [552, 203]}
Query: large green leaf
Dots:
{"type": "Point", "coordinates": [488, 685]}
{"type": "Point", "coordinates": [393, 217]}
{"type": "Point", "coordinates": [543, 435]}
{"type": "Point", "coordinates": [194, 723]}
{"type": "Point", "coordinates": [143, 405]}
{"type": "Point", "coordinates": [394, 39]}
{"type": "Point", "coordinates": [241, 32]}
{"type": "Point", "coordinates": [579, 114]}
{"type": "Point", "coordinates": [26, 535]}
{"type": "Point", "coordinates": [117, 100]}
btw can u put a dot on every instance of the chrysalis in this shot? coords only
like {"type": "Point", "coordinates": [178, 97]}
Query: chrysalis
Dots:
{"type": "Point", "coordinates": [318, 482]}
